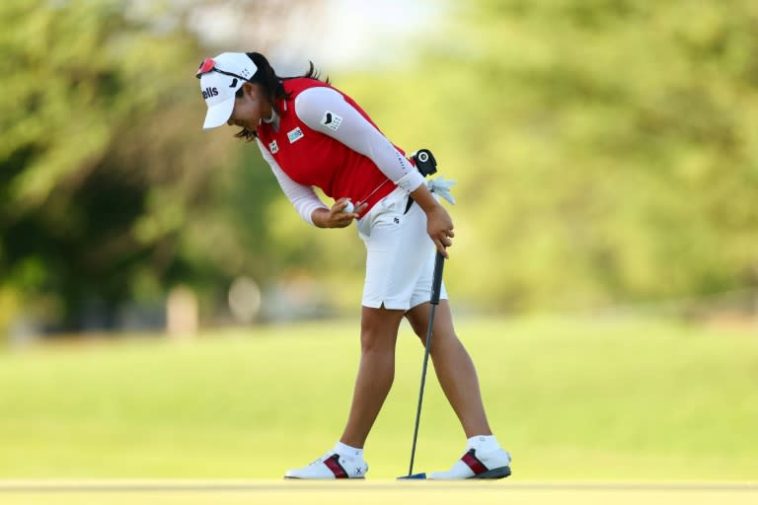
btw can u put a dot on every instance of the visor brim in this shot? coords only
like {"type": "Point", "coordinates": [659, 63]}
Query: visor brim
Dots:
{"type": "Point", "coordinates": [218, 114]}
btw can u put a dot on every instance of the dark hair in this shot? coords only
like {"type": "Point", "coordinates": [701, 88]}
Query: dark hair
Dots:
{"type": "Point", "coordinates": [272, 84]}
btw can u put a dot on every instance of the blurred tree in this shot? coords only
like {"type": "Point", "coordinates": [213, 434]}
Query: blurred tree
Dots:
{"type": "Point", "coordinates": [84, 81]}
{"type": "Point", "coordinates": [606, 150]}
{"type": "Point", "coordinates": [109, 190]}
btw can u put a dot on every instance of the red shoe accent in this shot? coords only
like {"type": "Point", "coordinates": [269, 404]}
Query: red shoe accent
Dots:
{"type": "Point", "coordinates": [473, 462]}
{"type": "Point", "coordinates": [333, 464]}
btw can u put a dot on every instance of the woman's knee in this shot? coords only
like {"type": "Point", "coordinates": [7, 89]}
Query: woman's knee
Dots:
{"type": "Point", "coordinates": [440, 332]}
{"type": "Point", "coordinates": [378, 354]}
{"type": "Point", "coordinates": [441, 341]}
{"type": "Point", "coordinates": [378, 342]}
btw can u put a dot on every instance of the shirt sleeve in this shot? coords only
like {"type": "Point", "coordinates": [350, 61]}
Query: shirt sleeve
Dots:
{"type": "Point", "coordinates": [326, 111]}
{"type": "Point", "coordinates": [303, 198]}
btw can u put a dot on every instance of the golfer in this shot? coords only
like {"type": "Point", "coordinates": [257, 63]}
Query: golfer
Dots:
{"type": "Point", "coordinates": [313, 135]}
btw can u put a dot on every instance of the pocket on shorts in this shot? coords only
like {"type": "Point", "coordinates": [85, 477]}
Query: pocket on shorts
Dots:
{"type": "Point", "coordinates": [384, 212]}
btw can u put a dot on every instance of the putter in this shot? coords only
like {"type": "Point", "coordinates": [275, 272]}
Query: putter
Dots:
{"type": "Point", "coordinates": [439, 263]}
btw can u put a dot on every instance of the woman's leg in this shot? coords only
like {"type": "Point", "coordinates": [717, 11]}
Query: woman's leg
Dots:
{"type": "Point", "coordinates": [453, 366]}
{"type": "Point", "coordinates": [377, 370]}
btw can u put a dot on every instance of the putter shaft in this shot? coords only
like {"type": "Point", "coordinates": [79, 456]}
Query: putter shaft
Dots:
{"type": "Point", "coordinates": [439, 263]}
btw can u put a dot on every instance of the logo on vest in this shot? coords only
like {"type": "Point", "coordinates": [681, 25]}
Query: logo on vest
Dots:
{"type": "Point", "coordinates": [331, 120]}
{"type": "Point", "coordinates": [273, 147]}
{"type": "Point", "coordinates": [209, 92]}
{"type": "Point", "coordinates": [295, 135]}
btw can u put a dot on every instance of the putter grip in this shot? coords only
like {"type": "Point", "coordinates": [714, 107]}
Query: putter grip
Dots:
{"type": "Point", "coordinates": [439, 263]}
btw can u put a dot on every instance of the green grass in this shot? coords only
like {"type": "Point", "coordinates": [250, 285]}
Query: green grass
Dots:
{"type": "Point", "coordinates": [280, 492]}
{"type": "Point", "coordinates": [571, 398]}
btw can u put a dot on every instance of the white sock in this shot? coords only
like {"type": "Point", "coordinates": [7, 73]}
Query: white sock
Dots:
{"type": "Point", "coordinates": [346, 450]}
{"type": "Point", "coordinates": [483, 443]}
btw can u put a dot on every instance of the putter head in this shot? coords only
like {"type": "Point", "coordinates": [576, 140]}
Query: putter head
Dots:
{"type": "Point", "coordinates": [414, 476]}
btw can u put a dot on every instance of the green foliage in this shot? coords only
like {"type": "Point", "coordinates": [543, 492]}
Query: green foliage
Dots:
{"type": "Point", "coordinates": [604, 150]}
{"type": "Point", "coordinates": [109, 190]}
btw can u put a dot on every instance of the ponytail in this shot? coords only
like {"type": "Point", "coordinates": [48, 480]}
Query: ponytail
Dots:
{"type": "Point", "coordinates": [312, 73]}
{"type": "Point", "coordinates": [266, 77]}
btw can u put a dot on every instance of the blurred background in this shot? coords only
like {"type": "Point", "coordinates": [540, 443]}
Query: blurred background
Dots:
{"type": "Point", "coordinates": [606, 159]}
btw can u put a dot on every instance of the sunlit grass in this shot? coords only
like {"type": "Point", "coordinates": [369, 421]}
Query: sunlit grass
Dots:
{"type": "Point", "coordinates": [571, 398]}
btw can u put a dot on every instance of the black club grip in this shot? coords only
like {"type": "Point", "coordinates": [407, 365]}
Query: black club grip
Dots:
{"type": "Point", "coordinates": [439, 264]}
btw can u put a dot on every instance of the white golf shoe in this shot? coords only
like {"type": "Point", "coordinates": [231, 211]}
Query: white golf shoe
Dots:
{"type": "Point", "coordinates": [331, 466]}
{"type": "Point", "coordinates": [478, 464]}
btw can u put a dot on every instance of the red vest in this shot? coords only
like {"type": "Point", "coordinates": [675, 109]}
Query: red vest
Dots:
{"type": "Point", "coordinates": [311, 158]}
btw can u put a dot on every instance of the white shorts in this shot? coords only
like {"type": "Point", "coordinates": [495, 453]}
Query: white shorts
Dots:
{"type": "Point", "coordinates": [399, 255]}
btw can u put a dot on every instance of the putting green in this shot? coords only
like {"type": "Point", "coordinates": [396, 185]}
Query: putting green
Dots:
{"type": "Point", "coordinates": [30, 492]}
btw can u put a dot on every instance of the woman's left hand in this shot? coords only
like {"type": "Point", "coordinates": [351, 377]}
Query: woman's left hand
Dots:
{"type": "Point", "coordinates": [439, 225]}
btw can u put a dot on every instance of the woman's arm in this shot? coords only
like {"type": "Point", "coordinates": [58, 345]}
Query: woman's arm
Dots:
{"type": "Point", "coordinates": [439, 225]}
{"type": "Point", "coordinates": [326, 111]}
{"type": "Point", "coordinates": [303, 198]}
{"type": "Point", "coordinates": [306, 201]}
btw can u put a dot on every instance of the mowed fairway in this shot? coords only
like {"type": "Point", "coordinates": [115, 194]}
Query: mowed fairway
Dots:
{"type": "Point", "coordinates": [579, 402]}
{"type": "Point", "coordinates": [375, 493]}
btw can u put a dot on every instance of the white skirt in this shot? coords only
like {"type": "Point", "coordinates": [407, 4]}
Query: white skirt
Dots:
{"type": "Point", "coordinates": [399, 255]}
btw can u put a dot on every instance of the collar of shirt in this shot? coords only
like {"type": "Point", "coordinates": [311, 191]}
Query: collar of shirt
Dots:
{"type": "Point", "coordinates": [273, 120]}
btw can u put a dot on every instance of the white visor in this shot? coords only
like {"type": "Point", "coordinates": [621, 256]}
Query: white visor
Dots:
{"type": "Point", "coordinates": [221, 78]}
{"type": "Point", "coordinates": [218, 91]}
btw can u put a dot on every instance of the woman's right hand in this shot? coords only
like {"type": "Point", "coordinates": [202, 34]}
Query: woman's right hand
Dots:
{"type": "Point", "coordinates": [336, 217]}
